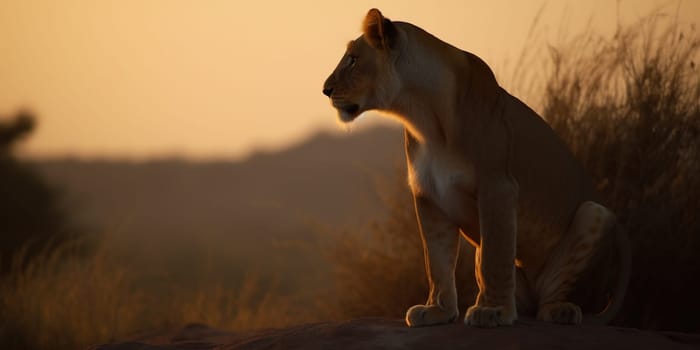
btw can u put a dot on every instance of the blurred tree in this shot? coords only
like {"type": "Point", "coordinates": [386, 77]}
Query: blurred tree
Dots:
{"type": "Point", "coordinates": [31, 219]}
{"type": "Point", "coordinates": [11, 132]}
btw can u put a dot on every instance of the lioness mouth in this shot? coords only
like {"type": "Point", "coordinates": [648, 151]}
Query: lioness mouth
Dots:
{"type": "Point", "coordinates": [350, 109]}
{"type": "Point", "coordinates": [347, 112]}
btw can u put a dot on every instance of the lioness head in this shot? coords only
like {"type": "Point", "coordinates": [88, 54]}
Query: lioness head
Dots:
{"type": "Point", "coordinates": [365, 78]}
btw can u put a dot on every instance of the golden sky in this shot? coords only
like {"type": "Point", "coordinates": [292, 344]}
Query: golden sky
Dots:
{"type": "Point", "coordinates": [145, 78]}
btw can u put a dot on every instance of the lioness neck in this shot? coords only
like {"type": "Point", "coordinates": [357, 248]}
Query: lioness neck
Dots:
{"type": "Point", "coordinates": [435, 87]}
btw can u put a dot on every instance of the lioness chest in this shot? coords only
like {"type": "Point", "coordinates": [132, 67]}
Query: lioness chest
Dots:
{"type": "Point", "coordinates": [447, 180]}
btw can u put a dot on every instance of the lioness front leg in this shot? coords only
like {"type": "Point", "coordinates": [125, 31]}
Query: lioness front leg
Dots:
{"type": "Point", "coordinates": [495, 269]}
{"type": "Point", "coordinates": [440, 247]}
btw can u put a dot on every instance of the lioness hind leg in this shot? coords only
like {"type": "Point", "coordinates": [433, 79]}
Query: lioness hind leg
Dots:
{"type": "Point", "coordinates": [568, 260]}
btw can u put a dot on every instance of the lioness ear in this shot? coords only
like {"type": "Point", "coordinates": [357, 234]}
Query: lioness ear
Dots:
{"type": "Point", "coordinates": [379, 31]}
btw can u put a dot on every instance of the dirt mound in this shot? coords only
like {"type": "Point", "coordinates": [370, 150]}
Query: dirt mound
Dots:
{"type": "Point", "coordinates": [393, 334]}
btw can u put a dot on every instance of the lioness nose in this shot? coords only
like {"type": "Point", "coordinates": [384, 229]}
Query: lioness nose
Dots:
{"type": "Point", "coordinates": [327, 91]}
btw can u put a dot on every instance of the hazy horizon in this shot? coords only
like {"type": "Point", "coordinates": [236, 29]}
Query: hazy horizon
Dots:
{"type": "Point", "coordinates": [138, 80]}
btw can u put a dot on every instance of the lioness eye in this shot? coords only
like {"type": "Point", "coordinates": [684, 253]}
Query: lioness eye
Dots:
{"type": "Point", "coordinates": [353, 60]}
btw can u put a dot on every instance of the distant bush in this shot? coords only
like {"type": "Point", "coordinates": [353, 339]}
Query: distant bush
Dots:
{"type": "Point", "coordinates": [629, 107]}
{"type": "Point", "coordinates": [31, 217]}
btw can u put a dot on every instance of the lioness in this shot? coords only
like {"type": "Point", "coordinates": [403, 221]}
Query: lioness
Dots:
{"type": "Point", "coordinates": [483, 163]}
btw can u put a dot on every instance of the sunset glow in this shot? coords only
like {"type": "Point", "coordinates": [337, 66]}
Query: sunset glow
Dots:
{"type": "Point", "coordinates": [219, 78]}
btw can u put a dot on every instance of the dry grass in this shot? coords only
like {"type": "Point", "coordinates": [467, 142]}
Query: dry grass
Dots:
{"type": "Point", "coordinates": [61, 302]}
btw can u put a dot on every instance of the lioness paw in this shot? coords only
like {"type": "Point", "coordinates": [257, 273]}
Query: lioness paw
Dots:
{"type": "Point", "coordinates": [563, 313]}
{"type": "Point", "coordinates": [429, 315]}
{"type": "Point", "coordinates": [487, 317]}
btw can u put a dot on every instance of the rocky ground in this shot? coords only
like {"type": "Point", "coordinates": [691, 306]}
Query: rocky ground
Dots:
{"type": "Point", "coordinates": [393, 334]}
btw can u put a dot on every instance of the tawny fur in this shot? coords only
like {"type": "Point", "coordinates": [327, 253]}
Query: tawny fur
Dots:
{"type": "Point", "coordinates": [483, 164]}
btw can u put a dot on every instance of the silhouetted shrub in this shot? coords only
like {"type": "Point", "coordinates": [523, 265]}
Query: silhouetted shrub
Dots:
{"type": "Point", "coordinates": [630, 110]}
